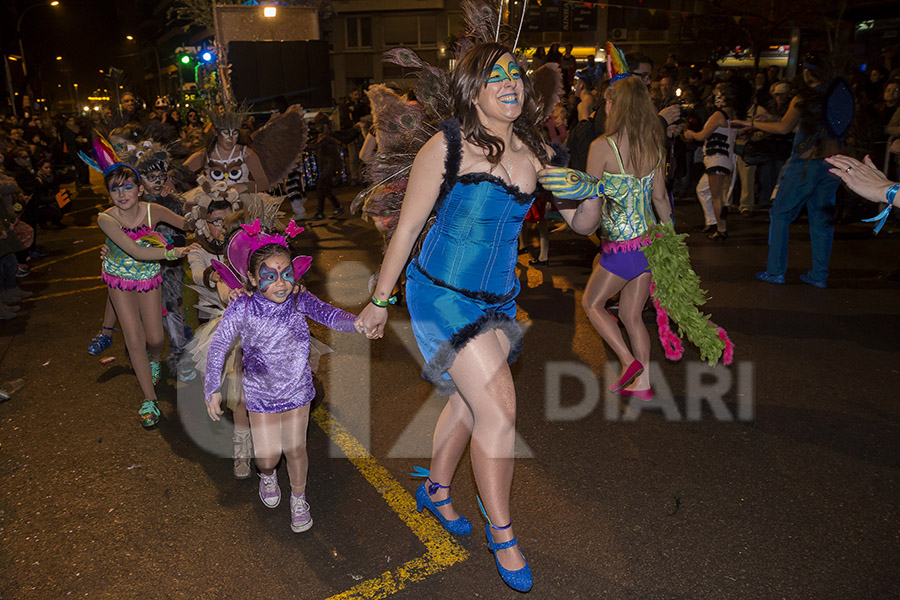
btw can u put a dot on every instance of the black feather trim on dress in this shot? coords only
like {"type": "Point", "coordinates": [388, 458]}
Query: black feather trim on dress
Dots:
{"type": "Point", "coordinates": [560, 156]}
{"type": "Point", "coordinates": [446, 354]}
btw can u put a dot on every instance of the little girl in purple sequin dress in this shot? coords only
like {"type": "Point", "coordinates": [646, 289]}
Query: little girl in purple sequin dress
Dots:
{"type": "Point", "coordinates": [274, 335]}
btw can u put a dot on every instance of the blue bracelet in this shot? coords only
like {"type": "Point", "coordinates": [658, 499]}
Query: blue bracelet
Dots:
{"type": "Point", "coordinates": [892, 193]}
{"type": "Point", "coordinates": [881, 218]}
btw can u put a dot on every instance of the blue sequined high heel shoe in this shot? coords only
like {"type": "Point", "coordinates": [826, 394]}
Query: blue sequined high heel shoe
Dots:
{"type": "Point", "coordinates": [460, 526]}
{"type": "Point", "coordinates": [520, 580]}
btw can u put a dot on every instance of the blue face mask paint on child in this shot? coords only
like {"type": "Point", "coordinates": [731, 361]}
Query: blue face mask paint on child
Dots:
{"type": "Point", "coordinates": [275, 279]}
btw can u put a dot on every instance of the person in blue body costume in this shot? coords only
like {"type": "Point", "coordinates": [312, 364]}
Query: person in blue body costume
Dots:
{"type": "Point", "coordinates": [461, 287]}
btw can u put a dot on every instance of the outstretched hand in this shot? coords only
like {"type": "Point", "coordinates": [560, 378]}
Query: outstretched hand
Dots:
{"type": "Point", "coordinates": [864, 178]}
{"type": "Point", "coordinates": [570, 184]}
{"type": "Point", "coordinates": [371, 321]}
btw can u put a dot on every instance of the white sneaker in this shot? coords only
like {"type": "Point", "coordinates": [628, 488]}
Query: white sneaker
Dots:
{"type": "Point", "coordinates": [301, 520]}
{"type": "Point", "coordinates": [269, 492]}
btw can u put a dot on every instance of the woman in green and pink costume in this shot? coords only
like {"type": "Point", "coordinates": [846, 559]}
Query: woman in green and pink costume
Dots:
{"type": "Point", "coordinates": [625, 177]}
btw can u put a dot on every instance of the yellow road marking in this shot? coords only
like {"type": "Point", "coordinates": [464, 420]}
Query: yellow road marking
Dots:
{"type": "Point", "coordinates": [442, 549]}
{"type": "Point", "coordinates": [44, 297]}
{"type": "Point", "coordinates": [53, 262]}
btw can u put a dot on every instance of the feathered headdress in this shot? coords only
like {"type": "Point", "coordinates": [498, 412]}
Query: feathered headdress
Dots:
{"type": "Point", "coordinates": [616, 65]}
{"type": "Point", "coordinates": [105, 159]}
{"type": "Point", "coordinates": [232, 118]}
{"type": "Point", "coordinates": [484, 23]}
{"type": "Point", "coordinates": [248, 240]}
{"type": "Point", "coordinates": [146, 156]}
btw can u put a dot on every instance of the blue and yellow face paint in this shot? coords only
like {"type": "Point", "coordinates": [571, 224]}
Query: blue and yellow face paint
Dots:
{"type": "Point", "coordinates": [500, 73]}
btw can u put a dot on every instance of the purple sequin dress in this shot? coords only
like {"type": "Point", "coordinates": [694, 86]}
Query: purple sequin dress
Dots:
{"type": "Point", "coordinates": [275, 341]}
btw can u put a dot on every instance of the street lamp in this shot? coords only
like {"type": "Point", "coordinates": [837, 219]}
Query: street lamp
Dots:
{"type": "Point", "coordinates": [129, 38]}
{"type": "Point", "coordinates": [19, 30]}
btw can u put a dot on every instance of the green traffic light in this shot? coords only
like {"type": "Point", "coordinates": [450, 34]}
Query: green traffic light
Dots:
{"type": "Point", "coordinates": [185, 59]}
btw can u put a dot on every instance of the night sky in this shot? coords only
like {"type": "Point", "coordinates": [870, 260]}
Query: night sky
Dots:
{"type": "Point", "coordinates": [88, 34]}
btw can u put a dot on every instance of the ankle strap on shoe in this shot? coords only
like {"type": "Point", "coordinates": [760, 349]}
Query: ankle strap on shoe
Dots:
{"type": "Point", "coordinates": [109, 328]}
{"type": "Point", "coordinates": [432, 486]}
{"type": "Point", "coordinates": [507, 526]}
{"type": "Point", "coordinates": [503, 545]}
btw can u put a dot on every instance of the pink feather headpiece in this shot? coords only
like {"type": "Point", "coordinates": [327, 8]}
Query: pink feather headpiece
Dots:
{"type": "Point", "coordinates": [248, 240]}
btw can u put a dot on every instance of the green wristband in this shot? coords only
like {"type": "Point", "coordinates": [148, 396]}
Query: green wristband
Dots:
{"type": "Point", "coordinates": [384, 303]}
{"type": "Point", "coordinates": [170, 254]}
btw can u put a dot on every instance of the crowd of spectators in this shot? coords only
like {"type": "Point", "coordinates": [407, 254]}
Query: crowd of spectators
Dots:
{"type": "Point", "coordinates": [685, 97]}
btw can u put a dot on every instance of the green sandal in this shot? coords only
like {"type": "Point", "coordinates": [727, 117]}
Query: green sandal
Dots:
{"type": "Point", "coordinates": [155, 371]}
{"type": "Point", "coordinates": [149, 413]}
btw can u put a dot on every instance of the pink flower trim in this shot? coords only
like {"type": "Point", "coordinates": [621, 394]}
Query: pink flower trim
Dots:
{"type": "Point", "coordinates": [671, 343]}
{"type": "Point", "coordinates": [728, 354]}
{"type": "Point", "coordinates": [131, 285]}
{"type": "Point", "coordinates": [626, 246]}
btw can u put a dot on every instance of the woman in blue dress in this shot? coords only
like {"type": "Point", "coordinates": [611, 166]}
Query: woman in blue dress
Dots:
{"type": "Point", "coordinates": [462, 285]}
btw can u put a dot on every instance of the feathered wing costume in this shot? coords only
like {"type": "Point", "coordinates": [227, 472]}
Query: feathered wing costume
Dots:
{"type": "Point", "coordinates": [675, 289]}
{"type": "Point", "coordinates": [403, 127]}
{"type": "Point", "coordinates": [279, 143]}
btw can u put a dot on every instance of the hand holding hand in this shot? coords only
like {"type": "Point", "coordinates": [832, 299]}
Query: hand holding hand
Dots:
{"type": "Point", "coordinates": [371, 321]}
{"type": "Point", "coordinates": [214, 406]}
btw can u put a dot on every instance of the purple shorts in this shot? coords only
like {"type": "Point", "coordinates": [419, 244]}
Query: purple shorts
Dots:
{"type": "Point", "coordinates": [627, 265]}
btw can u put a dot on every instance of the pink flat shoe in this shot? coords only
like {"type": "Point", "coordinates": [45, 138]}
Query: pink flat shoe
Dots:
{"type": "Point", "coordinates": [633, 370]}
{"type": "Point", "coordinates": [644, 395]}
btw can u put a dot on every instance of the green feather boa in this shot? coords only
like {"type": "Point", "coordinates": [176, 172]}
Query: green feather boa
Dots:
{"type": "Point", "coordinates": [677, 290]}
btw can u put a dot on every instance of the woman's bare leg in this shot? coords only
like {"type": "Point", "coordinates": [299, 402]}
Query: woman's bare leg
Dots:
{"type": "Point", "coordinates": [451, 435]}
{"type": "Point", "coordinates": [602, 286]}
{"type": "Point", "coordinates": [631, 307]}
{"type": "Point", "coordinates": [481, 373]}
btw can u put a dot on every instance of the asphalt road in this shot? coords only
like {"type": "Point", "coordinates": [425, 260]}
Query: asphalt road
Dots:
{"type": "Point", "coordinates": [783, 483]}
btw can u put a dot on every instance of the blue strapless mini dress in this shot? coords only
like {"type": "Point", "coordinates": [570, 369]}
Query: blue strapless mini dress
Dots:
{"type": "Point", "coordinates": [463, 282]}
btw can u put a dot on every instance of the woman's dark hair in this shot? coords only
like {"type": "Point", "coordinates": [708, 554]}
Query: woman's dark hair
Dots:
{"type": "Point", "coordinates": [727, 92]}
{"type": "Point", "coordinates": [260, 255]}
{"type": "Point", "coordinates": [469, 77]}
{"type": "Point", "coordinates": [811, 98]}
{"type": "Point", "coordinates": [120, 175]}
